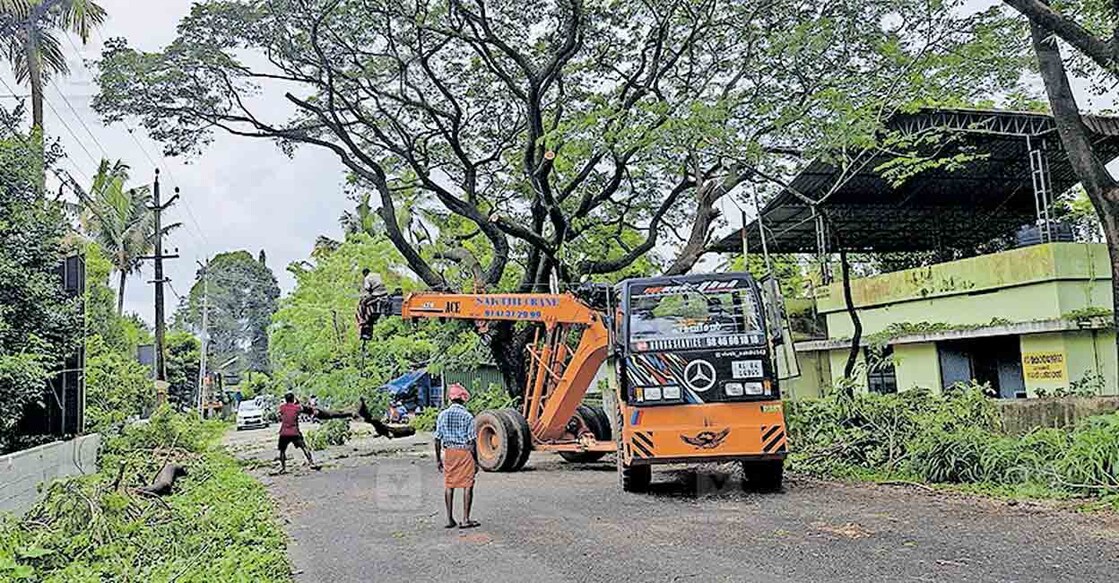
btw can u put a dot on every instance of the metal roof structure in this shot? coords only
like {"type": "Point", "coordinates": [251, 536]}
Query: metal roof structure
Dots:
{"type": "Point", "coordinates": [1015, 166]}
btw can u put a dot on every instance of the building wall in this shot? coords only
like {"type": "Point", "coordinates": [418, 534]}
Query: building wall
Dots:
{"type": "Point", "coordinates": [814, 379]}
{"type": "Point", "coordinates": [1089, 356]}
{"type": "Point", "coordinates": [917, 366]}
{"type": "Point", "coordinates": [837, 360]}
{"type": "Point", "coordinates": [1039, 301]}
{"type": "Point", "coordinates": [1042, 282]}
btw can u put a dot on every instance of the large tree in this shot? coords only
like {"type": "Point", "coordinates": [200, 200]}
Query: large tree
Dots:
{"type": "Point", "coordinates": [1095, 38]}
{"type": "Point", "coordinates": [29, 31]}
{"type": "Point", "coordinates": [38, 323]}
{"type": "Point", "coordinates": [241, 295]}
{"type": "Point", "coordinates": [556, 140]}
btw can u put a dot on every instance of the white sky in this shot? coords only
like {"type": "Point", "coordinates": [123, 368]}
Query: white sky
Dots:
{"type": "Point", "coordinates": [239, 194]}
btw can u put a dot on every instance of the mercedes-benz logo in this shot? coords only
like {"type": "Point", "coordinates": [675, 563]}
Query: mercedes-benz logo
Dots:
{"type": "Point", "coordinates": [699, 375]}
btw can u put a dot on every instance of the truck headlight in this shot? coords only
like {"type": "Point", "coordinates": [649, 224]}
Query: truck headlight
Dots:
{"type": "Point", "coordinates": [671, 392]}
{"type": "Point", "coordinates": [733, 389]}
{"type": "Point", "coordinates": [652, 393]}
{"type": "Point", "coordinates": [753, 388]}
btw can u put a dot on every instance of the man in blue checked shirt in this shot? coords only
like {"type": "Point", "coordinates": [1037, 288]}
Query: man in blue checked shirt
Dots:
{"type": "Point", "coordinates": [456, 454]}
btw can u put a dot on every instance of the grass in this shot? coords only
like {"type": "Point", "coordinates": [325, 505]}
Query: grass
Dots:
{"type": "Point", "coordinates": [218, 525]}
{"type": "Point", "coordinates": [952, 441]}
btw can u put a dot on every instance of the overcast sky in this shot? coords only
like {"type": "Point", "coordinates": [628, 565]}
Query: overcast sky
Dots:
{"type": "Point", "coordinates": [239, 194]}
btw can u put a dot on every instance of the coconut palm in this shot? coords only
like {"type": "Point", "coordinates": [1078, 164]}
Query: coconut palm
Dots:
{"type": "Point", "coordinates": [29, 32]}
{"type": "Point", "coordinates": [120, 220]}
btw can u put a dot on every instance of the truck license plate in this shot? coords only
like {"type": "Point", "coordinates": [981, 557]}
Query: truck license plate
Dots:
{"type": "Point", "coordinates": [746, 369]}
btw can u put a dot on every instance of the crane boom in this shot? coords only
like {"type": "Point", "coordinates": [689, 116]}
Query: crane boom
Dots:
{"type": "Point", "coordinates": [559, 377]}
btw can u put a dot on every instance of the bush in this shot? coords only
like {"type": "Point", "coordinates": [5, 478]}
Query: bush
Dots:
{"type": "Point", "coordinates": [1091, 463]}
{"type": "Point", "coordinates": [117, 387]}
{"type": "Point", "coordinates": [217, 525]}
{"type": "Point", "coordinates": [330, 432]}
{"type": "Point", "coordinates": [949, 438]}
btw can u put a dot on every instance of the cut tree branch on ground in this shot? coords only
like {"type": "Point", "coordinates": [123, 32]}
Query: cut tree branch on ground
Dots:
{"type": "Point", "coordinates": [164, 480]}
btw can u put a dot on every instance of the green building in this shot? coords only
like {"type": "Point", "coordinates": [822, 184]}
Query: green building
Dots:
{"type": "Point", "coordinates": [1029, 322]}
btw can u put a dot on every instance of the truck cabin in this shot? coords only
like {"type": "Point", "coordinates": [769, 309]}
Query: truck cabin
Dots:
{"type": "Point", "coordinates": [693, 340]}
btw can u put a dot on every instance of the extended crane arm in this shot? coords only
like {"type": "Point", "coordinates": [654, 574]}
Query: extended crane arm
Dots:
{"type": "Point", "coordinates": [558, 376]}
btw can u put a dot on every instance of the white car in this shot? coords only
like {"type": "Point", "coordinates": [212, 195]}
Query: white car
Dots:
{"type": "Point", "coordinates": [250, 414]}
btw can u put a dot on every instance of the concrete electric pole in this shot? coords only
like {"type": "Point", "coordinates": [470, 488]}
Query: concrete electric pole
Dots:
{"type": "Point", "coordinates": [160, 328]}
{"type": "Point", "coordinates": [205, 336]}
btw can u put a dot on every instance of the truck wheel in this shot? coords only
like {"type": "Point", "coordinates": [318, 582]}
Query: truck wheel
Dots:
{"type": "Point", "coordinates": [496, 445]}
{"type": "Point", "coordinates": [634, 478]}
{"type": "Point", "coordinates": [522, 436]}
{"type": "Point", "coordinates": [593, 422]}
{"type": "Point", "coordinates": [603, 432]}
{"type": "Point", "coordinates": [763, 476]}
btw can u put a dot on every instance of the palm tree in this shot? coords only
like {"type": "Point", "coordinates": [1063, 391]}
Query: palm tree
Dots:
{"type": "Point", "coordinates": [120, 220]}
{"type": "Point", "coordinates": [29, 33]}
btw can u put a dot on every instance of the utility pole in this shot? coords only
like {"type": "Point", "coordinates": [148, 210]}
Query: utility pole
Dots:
{"type": "Point", "coordinates": [205, 331]}
{"type": "Point", "coordinates": [160, 329]}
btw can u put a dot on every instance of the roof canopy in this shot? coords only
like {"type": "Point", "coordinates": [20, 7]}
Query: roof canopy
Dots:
{"type": "Point", "coordinates": [992, 194]}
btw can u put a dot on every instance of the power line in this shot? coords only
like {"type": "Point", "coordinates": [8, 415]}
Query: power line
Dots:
{"type": "Point", "coordinates": [143, 150]}
{"type": "Point", "coordinates": [80, 121]}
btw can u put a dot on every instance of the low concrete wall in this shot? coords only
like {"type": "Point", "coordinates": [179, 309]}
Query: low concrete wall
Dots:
{"type": "Point", "coordinates": [1023, 415]}
{"type": "Point", "coordinates": [22, 472]}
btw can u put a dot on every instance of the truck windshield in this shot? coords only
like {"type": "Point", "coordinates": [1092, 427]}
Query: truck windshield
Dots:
{"type": "Point", "coordinates": [673, 320]}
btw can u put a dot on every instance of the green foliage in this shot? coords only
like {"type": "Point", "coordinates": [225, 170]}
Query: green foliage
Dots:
{"type": "Point", "coordinates": [254, 384]}
{"type": "Point", "coordinates": [243, 295]}
{"type": "Point", "coordinates": [118, 219]}
{"type": "Point", "coordinates": [184, 353]}
{"type": "Point", "coordinates": [117, 386]}
{"type": "Point", "coordinates": [492, 397]}
{"type": "Point", "coordinates": [953, 438]}
{"type": "Point", "coordinates": [329, 432]}
{"type": "Point", "coordinates": [1091, 462]}
{"type": "Point", "coordinates": [217, 525]}
{"type": "Point", "coordinates": [425, 421]}
{"type": "Point", "coordinates": [624, 153]}
{"type": "Point", "coordinates": [37, 322]}
{"type": "Point", "coordinates": [315, 347]}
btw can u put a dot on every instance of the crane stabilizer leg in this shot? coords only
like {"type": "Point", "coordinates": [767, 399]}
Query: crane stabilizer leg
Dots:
{"type": "Point", "coordinates": [572, 386]}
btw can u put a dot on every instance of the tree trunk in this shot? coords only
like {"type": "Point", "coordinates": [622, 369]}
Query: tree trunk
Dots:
{"type": "Point", "coordinates": [508, 349]}
{"type": "Point", "coordinates": [35, 78]}
{"type": "Point", "coordinates": [856, 322]}
{"type": "Point", "coordinates": [1089, 166]}
{"type": "Point", "coordinates": [120, 294]}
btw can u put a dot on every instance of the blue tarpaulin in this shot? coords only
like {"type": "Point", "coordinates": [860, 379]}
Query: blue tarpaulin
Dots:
{"type": "Point", "coordinates": [414, 389]}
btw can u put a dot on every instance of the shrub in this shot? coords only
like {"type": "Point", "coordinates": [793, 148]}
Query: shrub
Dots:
{"type": "Point", "coordinates": [330, 432]}
{"type": "Point", "coordinates": [1091, 462]}
{"type": "Point", "coordinates": [950, 438]}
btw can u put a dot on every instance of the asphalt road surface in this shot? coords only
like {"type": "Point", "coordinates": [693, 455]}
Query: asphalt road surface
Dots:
{"type": "Point", "coordinates": [374, 513]}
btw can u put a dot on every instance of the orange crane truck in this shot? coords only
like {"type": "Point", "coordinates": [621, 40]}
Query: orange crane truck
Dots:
{"type": "Point", "coordinates": [689, 364]}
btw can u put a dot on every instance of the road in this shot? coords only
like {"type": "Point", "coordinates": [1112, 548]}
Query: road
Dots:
{"type": "Point", "coordinates": [374, 512]}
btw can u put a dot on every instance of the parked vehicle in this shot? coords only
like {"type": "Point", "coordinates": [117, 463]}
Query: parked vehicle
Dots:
{"type": "Point", "coordinates": [251, 415]}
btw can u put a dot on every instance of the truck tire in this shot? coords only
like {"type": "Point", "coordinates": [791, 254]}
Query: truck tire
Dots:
{"type": "Point", "coordinates": [593, 421]}
{"type": "Point", "coordinates": [522, 436]}
{"type": "Point", "coordinates": [604, 432]}
{"type": "Point", "coordinates": [496, 441]}
{"type": "Point", "coordinates": [634, 478]}
{"type": "Point", "coordinates": [763, 475]}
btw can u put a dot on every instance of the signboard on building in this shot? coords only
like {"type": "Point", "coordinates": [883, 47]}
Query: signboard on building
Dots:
{"type": "Point", "coordinates": [1044, 366]}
